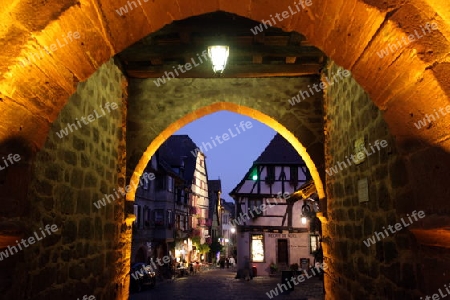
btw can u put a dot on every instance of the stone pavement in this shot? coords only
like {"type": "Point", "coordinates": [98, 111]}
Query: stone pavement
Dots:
{"type": "Point", "coordinates": [219, 284]}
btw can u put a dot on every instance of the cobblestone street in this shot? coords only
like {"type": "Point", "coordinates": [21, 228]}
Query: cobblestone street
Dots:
{"type": "Point", "coordinates": [220, 284]}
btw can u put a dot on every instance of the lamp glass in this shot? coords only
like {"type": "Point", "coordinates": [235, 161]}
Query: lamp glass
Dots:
{"type": "Point", "coordinates": [303, 220]}
{"type": "Point", "coordinates": [218, 55]}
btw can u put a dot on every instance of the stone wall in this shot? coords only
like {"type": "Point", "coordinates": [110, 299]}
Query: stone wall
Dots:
{"type": "Point", "coordinates": [388, 269]}
{"type": "Point", "coordinates": [87, 253]}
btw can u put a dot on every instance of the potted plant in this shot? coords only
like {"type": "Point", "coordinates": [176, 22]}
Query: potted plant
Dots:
{"type": "Point", "coordinates": [273, 268]}
{"type": "Point", "coordinates": [294, 268]}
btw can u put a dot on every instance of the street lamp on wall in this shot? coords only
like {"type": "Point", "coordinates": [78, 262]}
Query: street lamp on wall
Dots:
{"type": "Point", "coordinates": [309, 210]}
{"type": "Point", "coordinates": [219, 56]}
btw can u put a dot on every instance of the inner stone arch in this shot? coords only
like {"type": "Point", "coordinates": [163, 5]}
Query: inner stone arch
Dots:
{"type": "Point", "coordinates": [247, 111]}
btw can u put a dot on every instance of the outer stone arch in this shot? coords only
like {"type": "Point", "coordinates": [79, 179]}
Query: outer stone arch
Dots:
{"type": "Point", "coordinates": [351, 32]}
{"type": "Point", "coordinates": [199, 113]}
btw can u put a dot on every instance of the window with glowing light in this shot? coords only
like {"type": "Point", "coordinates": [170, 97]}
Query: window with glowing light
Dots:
{"type": "Point", "coordinates": [313, 242]}
{"type": "Point", "coordinates": [257, 248]}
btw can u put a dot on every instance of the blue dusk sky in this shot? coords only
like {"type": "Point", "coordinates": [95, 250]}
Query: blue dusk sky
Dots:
{"type": "Point", "coordinates": [231, 159]}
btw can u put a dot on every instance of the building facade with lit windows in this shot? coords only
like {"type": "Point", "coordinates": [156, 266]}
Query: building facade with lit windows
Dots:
{"type": "Point", "coordinates": [228, 230]}
{"type": "Point", "coordinates": [182, 154]}
{"type": "Point", "coordinates": [158, 204]}
{"type": "Point", "coordinates": [269, 223]}
{"type": "Point", "coordinates": [200, 203]}
{"type": "Point", "coordinates": [214, 191]}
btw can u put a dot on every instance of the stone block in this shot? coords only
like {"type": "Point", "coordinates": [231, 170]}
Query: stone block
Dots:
{"type": "Point", "coordinates": [85, 228]}
{"type": "Point", "coordinates": [64, 195]}
{"type": "Point", "coordinates": [368, 226]}
{"type": "Point", "coordinates": [44, 258]}
{"type": "Point", "coordinates": [66, 255]}
{"type": "Point", "coordinates": [374, 271]}
{"type": "Point", "coordinates": [95, 135]}
{"type": "Point", "coordinates": [109, 230]}
{"type": "Point", "coordinates": [69, 231]}
{"type": "Point", "coordinates": [51, 240]}
{"type": "Point", "coordinates": [98, 229]}
{"type": "Point", "coordinates": [84, 202]}
{"type": "Point", "coordinates": [384, 199]}
{"type": "Point", "coordinates": [85, 160]}
{"type": "Point", "coordinates": [342, 249]}
{"type": "Point", "coordinates": [76, 178]}
{"type": "Point", "coordinates": [79, 143]}
{"type": "Point", "coordinates": [53, 172]}
{"type": "Point", "coordinates": [351, 214]}
{"type": "Point", "coordinates": [358, 232]}
{"type": "Point", "coordinates": [90, 179]}
{"type": "Point", "coordinates": [48, 203]}
{"type": "Point", "coordinates": [96, 263]}
{"type": "Point", "coordinates": [70, 157]}
{"type": "Point", "coordinates": [348, 231]}
{"type": "Point", "coordinates": [100, 169]}
{"type": "Point", "coordinates": [44, 187]}
{"type": "Point", "coordinates": [85, 131]}
{"type": "Point", "coordinates": [379, 251]}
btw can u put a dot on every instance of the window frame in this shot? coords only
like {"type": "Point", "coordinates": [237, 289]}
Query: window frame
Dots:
{"type": "Point", "coordinates": [251, 204]}
{"type": "Point", "coordinates": [170, 182]}
{"type": "Point", "coordinates": [252, 245]}
{"type": "Point", "coordinates": [315, 237]}
{"type": "Point", "coordinates": [159, 214]}
{"type": "Point", "coordinates": [136, 214]}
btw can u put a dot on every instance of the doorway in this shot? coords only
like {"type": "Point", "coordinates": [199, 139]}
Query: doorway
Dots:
{"type": "Point", "coordinates": [282, 254]}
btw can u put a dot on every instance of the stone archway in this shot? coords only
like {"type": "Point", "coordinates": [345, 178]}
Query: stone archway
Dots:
{"type": "Point", "coordinates": [400, 84]}
{"type": "Point", "coordinates": [311, 160]}
{"type": "Point", "coordinates": [406, 85]}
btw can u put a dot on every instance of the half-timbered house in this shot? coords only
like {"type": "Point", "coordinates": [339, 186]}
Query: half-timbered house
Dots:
{"type": "Point", "coordinates": [270, 229]}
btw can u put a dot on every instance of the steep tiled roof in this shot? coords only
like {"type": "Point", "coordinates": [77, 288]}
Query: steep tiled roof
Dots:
{"type": "Point", "coordinates": [178, 148]}
{"type": "Point", "coordinates": [214, 185]}
{"type": "Point", "coordinates": [279, 151]}
{"type": "Point", "coordinates": [229, 206]}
